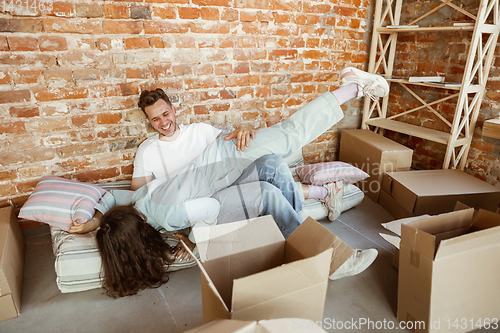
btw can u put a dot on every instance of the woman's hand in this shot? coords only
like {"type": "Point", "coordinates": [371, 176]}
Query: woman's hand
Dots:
{"type": "Point", "coordinates": [81, 228]}
{"type": "Point", "coordinates": [180, 252]}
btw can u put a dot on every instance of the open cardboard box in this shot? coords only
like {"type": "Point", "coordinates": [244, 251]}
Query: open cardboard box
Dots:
{"type": "Point", "coordinates": [375, 155]}
{"type": "Point", "coordinates": [413, 193]}
{"type": "Point", "coordinates": [449, 266]}
{"type": "Point", "coordinates": [263, 326]}
{"type": "Point", "coordinates": [12, 249]}
{"type": "Point", "coordinates": [250, 272]}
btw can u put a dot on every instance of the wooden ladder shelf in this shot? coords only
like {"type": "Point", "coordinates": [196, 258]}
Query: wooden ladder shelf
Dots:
{"type": "Point", "coordinates": [469, 93]}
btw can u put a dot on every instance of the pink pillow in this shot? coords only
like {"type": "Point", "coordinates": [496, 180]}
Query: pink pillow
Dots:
{"type": "Point", "coordinates": [327, 172]}
{"type": "Point", "coordinates": [58, 201]}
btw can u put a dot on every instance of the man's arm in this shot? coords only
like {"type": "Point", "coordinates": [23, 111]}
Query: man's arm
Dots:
{"type": "Point", "coordinates": [242, 136]}
{"type": "Point", "coordinates": [138, 182]}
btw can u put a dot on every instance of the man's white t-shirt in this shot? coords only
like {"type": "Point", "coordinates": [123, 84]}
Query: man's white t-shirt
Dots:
{"type": "Point", "coordinates": [163, 159]}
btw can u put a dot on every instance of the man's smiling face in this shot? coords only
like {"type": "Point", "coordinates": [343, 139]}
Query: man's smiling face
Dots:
{"type": "Point", "coordinates": [162, 118]}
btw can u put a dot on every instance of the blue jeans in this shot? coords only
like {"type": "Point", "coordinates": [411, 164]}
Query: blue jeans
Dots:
{"type": "Point", "coordinates": [258, 198]}
{"type": "Point", "coordinates": [273, 170]}
{"type": "Point", "coordinates": [266, 187]}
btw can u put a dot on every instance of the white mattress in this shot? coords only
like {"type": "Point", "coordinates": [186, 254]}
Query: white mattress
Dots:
{"type": "Point", "coordinates": [78, 263]}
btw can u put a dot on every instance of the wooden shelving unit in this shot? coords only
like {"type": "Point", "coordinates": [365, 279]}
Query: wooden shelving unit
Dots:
{"type": "Point", "coordinates": [469, 93]}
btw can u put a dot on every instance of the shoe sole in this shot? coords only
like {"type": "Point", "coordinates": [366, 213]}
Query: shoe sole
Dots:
{"type": "Point", "coordinates": [359, 72]}
{"type": "Point", "coordinates": [357, 271]}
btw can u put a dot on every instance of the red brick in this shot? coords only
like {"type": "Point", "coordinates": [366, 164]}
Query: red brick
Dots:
{"type": "Point", "coordinates": [213, 27]}
{"type": "Point", "coordinates": [28, 76]}
{"type": "Point", "coordinates": [62, 9]}
{"type": "Point", "coordinates": [86, 58]}
{"type": "Point", "coordinates": [217, 3]}
{"type": "Point", "coordinates": [283, 55]}
{"type": "Point", "coordinates": [12, 127]}
{"type": "Point", "coordinates": [96, 175]}
{"type": "Point", "coordinates": [161, 27]}
{"type": "Point", "coordinates": [21, 25]}
{"type": "Point", "coordinates": [4, 77]}
{"type": "Point", "coordinates": [89, 10]}
{"type": "Point", "coordinates": [4, 46]}
{"type": "Point", "coordinates": [185, 42]}
{"type": "Point", "coordinates": [23, 44]}
{"type": "Point", "coordinates": [164, 12]}
{"type": "Point", "coordinates": [52, 43]}
{"type": "Point", "coordinates": [189, 13]}
{"type": "Point", "coordinates": [24, 111]}
{"type": "Point", "coordinates": [157, 42]}
{"type": "Point", "coordinates": [201, 109]}
{"type": "Point", "coordinates": [255, 4]}
{"type": "Point", "coordinates": [138, 73]}
{"type": "Point", "coordinates": [55, 94]}
{"type": "Point", "coordinates": [86, 74]}
{"type": "Point", "coordinates": [15, 96]}
{"type": "Point", "coordinates": [223, 69]}
{"type": "Point", "coordinates": [109, 118]}
{"type": "Point", "coordinates": [58, 75]}
{"type": "Point", "coordinates": [74, 25]}
{"type": "Point", "coordinates": [242, 68]}
{"type": "Point", "coordinates": [229, 14]}
{"type": "Point", "coordinates": [134, 43]}
{"type": "Point", "coordinates": [123, 27]}
{"type": "Point", "coordinates": [116, 11]}
{"type": "Point", "coordinates": [248, 16]}
{"type": "Point", "coordinates": [209, 14]}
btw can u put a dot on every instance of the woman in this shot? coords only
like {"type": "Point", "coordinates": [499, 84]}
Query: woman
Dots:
{"type": "Point", "coordinates": [175, 203]}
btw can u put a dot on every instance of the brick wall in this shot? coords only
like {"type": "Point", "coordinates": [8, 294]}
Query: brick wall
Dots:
{"type": "Point", "coordinates": [71, 72]}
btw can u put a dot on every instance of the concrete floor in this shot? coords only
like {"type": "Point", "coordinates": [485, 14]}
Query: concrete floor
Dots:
{"type": "Point", "coordinates": [177, 305]}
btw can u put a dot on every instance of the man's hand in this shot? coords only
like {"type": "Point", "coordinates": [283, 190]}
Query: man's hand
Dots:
{"type": "Point", "coordinates": [180, 252]}
{"type": "Point", "coordinates": [242, 136]}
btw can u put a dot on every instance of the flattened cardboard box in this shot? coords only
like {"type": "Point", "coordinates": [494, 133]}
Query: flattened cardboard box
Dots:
{"type": "Point", "coordinates": [264, 326]}
{"type": "Point", "coordinates": [449, 268]}
{"type": "Point", "coordinates": [413, 193]}
{"type": "Point", "coordinates": [375, 155]}
{"type": "Point", "coordinates": [12, 249]}
{"type": "Point", "coordinates": [249, 271]}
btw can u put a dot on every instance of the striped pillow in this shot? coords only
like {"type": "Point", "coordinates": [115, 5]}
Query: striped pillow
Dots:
{"type": "Point", "coordinates": [58, 202]}
{"type": "Point", "coordinates": [323, 173]}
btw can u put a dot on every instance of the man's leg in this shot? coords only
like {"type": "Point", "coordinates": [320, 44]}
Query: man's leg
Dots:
{"type": "Point", "coordinates": [250, 200]}
{"type": "Point", "coordinates": [273, 170]}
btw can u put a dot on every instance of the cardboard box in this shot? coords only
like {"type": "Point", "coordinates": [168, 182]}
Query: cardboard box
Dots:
{"type": "Point", "coordinates": [449, 269]}
{"type": "Point", "coordinates": [250, 272]}
{"type": "Point", "coordinates": [375, 155]}
{"type": "Point", "coordinates": [263, 326]}
{"type": "Point", "coordinates": [12, 249]}
{"type": "Point", "coordinates": [414, 193]}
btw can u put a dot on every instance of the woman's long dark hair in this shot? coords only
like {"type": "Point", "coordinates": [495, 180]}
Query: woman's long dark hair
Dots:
{"type": "Point", "coordinates": [134, 254]}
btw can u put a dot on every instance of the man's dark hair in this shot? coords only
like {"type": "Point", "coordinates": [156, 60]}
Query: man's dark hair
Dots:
{"type": "Point", "coordinates": [150, 97]}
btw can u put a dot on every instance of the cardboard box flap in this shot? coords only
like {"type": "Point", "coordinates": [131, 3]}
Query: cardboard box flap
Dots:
{"type": "Point", "coordinates": [484, 233]}
{"type": "Point", "coordinates": [219, 240]}
{"type": "Point", "coordinates": [485, 219]}
{"type": "Point", "coordinates": [395, 226]}
{"type": "Point", "coordinates": [425, 235]}
{"type": "Point", "coordinates": [310, 239]}
{"type": "Point", "coordinates": [418, 240]}
{"type": "Point", "coordinates": [445, 222]}
{"type": "Point", "coordinates": [211, 286]}
{"type": "Point", "coordinates": [280, 281]}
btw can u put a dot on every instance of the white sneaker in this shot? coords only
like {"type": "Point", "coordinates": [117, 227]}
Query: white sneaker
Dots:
{"type": "Point", "coordinates": [371, 85]}
{"type": "Point", "coordinates": [333, 200]}
{"type": "Point", "coordinates": [357, 263]}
